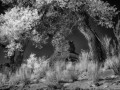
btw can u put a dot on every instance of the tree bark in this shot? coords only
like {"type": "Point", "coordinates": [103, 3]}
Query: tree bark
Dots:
{"type": "Point", "coordinates": [17, 58]}
{"type": "Point", "coordinates": [97, 50]}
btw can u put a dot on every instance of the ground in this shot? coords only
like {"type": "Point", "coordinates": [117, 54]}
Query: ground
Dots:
{"type": "Point", "coordinates": [107, 81]}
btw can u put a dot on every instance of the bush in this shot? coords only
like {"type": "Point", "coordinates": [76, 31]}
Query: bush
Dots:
{"type": "Point", "coordinates": [31, 71]}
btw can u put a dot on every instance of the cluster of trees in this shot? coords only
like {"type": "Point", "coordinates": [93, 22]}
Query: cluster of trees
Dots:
{"type": "Point", "coordinates": [39, 20]}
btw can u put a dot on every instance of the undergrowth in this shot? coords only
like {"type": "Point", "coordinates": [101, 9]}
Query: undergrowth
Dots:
{"type": "Point", "coordinates": [37, 70]}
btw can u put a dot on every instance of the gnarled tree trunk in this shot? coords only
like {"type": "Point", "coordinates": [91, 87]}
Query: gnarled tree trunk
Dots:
{"type": "Point", "coordinates": [96, 48]}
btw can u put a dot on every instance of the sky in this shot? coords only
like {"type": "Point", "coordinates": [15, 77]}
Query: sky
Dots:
{"type": "Point", "coordinates": [78, 39]}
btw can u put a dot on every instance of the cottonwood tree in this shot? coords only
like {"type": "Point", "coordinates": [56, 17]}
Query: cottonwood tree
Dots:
{"type": "Point", "coordinates": [58, 18]}
{"type": "Point", "coordinates": [16, 29]}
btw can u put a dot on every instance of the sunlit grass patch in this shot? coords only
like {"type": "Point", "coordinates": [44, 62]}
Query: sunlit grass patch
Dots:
{"type": "Point", "coordinates": [32, 71]}
{"type": "Point", "coordinates": [22, 75]}
{"type": "Point", "coordinates": [84, 67]}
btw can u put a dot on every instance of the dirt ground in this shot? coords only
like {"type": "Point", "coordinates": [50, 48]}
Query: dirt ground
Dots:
{"type": "Point", "coordinates": [106, 82]}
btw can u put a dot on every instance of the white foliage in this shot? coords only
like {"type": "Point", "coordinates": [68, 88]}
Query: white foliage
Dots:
{"type": "Point", "coordinates": [15, 23]}
{"type": "Point", "coordinates": [18, 21]}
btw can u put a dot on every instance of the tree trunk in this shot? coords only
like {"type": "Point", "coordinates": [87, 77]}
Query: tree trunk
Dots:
{"type": "Point", "coordinates": [97, 50]}
{"type": "Point", "coordinates": [17, 58]}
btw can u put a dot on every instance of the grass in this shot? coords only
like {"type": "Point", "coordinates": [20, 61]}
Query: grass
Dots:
{"type": "Point", "coordinates": [113, 63]}
{"type": "Point", "coordinates": [36, 70]}
{"type": "Point", "coordinates": [29, 72]}
{"type": "Point", "coordinates": [22, 75]}
{"type": "Point", "coordinates": [69, 72]}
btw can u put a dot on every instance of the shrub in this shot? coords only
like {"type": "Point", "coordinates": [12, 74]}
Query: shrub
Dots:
{"type": "Point", "coordinates": [31, 71]}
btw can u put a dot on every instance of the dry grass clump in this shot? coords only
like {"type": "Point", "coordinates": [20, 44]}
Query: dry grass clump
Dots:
{"type": "Point", "coordinates": [82, 65]}
{"type": "Point", "coordinates": [31, 71]}
{"type": "Point", "coordinates": [36, 69]}
{"type": "Point", "coordinates": [68, 71]}
{"type": "Point", "coordinates": [85, 67]}
{"type": "Point", "coordinates": [22, 75]}
{"type": "Point", "coordinates": [113, 63]}
{"type": "Point", "coordinates": [56, 74]}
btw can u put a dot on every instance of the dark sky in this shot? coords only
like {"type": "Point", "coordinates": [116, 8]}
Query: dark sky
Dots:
{"type": "Point", "coordinates": [79, 40]}
{"type": "Point", "coordinates": [114, 2]}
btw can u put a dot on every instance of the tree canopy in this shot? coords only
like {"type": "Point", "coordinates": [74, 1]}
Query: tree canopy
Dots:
{"type": "Point", "coordinates": [36, 20]}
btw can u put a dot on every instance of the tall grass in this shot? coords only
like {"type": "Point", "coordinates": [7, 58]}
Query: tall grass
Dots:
{"type": "Point", "coordinates": [36, 69]}
{"type": "Point", "coordinates": [22, 75]}
{"type": "Point", "coordinates": [85, 67]}
{"type": "Point", "coordinates": [33, 70]}
{"type": "Point", "coordinates": [70, 72]}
